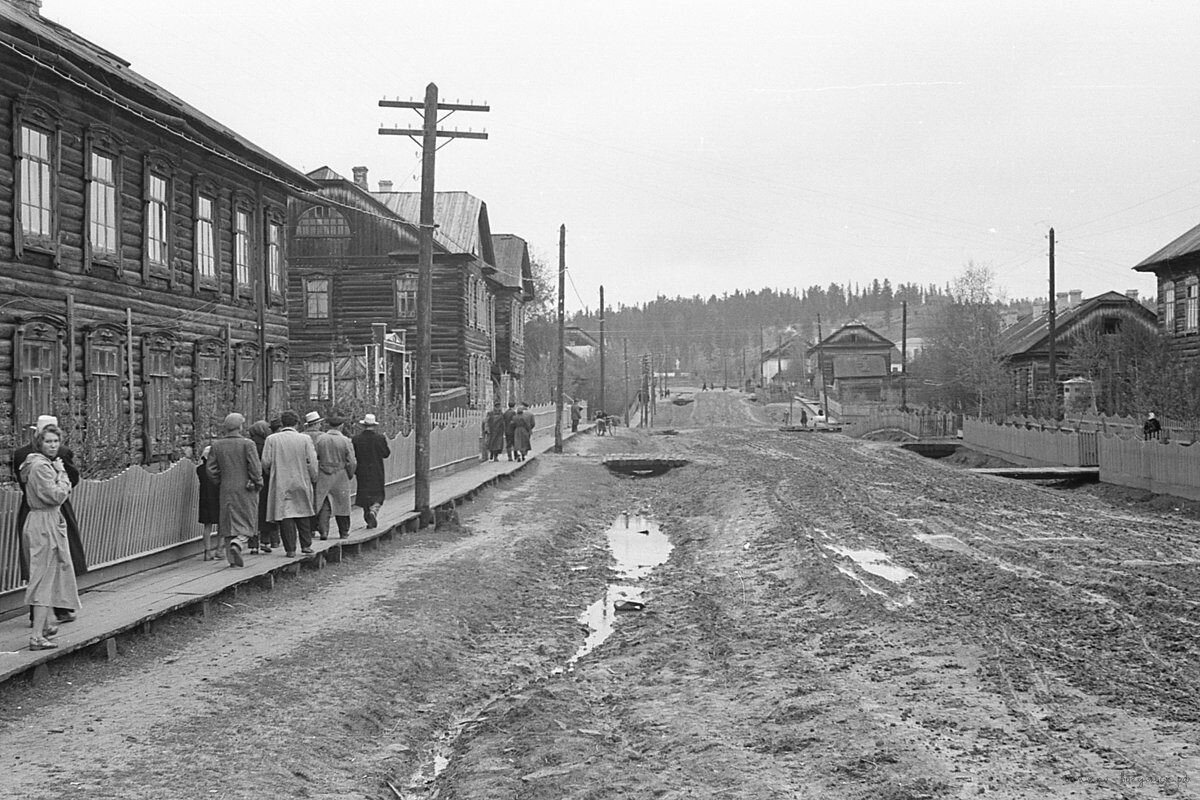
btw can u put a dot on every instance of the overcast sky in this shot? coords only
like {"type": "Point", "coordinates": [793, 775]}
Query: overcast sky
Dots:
{"type": "Point", "coordinates": [704, 147]}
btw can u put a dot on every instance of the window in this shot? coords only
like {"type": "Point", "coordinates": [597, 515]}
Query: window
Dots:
{"type": "Point", "coordinates": [518, 322]}
{"type": "Point", "coordinates": [1168, 305]}
{"type": "Point", "coordinates": [246, 380]}
{"type": "Point", "coordinates": [103, 231]}
{"type": "Point", "coordinates": [1191, 317]}
{"type": "Point", "coordinates": [406, 297]}
{"type": "Point", "coordinates": [470, 302]}
{"type": "Point", "coordinates": [38, 356]}
{"type": "Point", "coordinates": [158, 376]}
{"type": "Point", "coordinates": [322, 221]}
{"type": "Point", "coordinates": [316, 298]}
{"type": "Point", "coordinates": [241, 248]}
{"type": "Point", "coordinates": [37, 183]}
{"type": "Point", "coordinates": [157, 219]}
{"type": "Point", "coordinates": [212, 403]}
{"type": "Point", "coordinates": [104, 377]}
{"type": "Point", "coordinates": [319, 381]}
{"type": "Point", "coordinates": [277, 394]}
{"type": "Point", "coordinates": [274, 258]}
{"type": "Point", "coordinates": [206, 239]}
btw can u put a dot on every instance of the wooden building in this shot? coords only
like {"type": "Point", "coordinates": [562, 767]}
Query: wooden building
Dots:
{"type": "Point", "coordinates": [1025, 346]}
{"type": "Point", "coordinates": [142, 260]}
{"type": "Point", "coordinates": [513, 288]}
{"type": "Point", "coordinates": [1177, 267]}
{"type": "Point", "coordinates": [854, 363]}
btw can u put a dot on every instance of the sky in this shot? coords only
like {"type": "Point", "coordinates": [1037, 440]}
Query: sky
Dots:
{"type": "Point", "coordinates": [699, 148]}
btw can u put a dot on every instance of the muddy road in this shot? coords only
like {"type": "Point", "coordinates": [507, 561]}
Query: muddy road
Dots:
{"type": "Point", "coordinates": [834, 619]}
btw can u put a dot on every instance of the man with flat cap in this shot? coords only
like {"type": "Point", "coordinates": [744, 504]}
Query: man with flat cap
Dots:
{"type": "Point", "coordinates": [234, 466]}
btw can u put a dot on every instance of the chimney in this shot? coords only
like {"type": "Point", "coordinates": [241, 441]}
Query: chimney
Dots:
{"type": "Point", "coordinates": [360, 178]}
{"type": "Point", "coordinates": [1039, 310]}
{"type": "Point", "coordinates": [1076, 297]}
{"type": "Point", "coordinates": [385, 186]}
{"type": "Point", "coordinates": [1060, 301]}
{"type": "Point", "coordinates": [1132, 294]}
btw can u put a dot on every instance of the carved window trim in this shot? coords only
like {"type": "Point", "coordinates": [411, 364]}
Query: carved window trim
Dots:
{"type": "Point", "coordinates": [275, 255]}
{"type": "Point", "coordinates": [277, 380]}
{"type": "Point", "coordinates": [158, 214]}
{"type": "Point", "coordinates": [47, 335]}
{"type": "Point", "coordinates": [318, 378]}
{"type": "Point", "coordinates": [1168, 307]}
{"type": "Point", "coordinates": [37, 118]}
{"type": "Point", "coordinates": [1191, 304]}
{"type": "Point", "coordinates": [208, 410]}
{"type": "Point", "coordinates": [158, 393]}
{"type": "Point", "coordinates": [246, 370]}
{"type": "Point", "coordinates": [405, 295]}
{"type": "Point", "coordinates": [104, 371]}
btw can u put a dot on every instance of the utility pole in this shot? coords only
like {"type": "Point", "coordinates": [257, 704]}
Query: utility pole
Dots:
{"type": "Point", "coordinates": [821, 370]}
{"type": "Point", "coordinates": [761, 348]}
{"type": "Point", "coordinates": [1051, 317]}
{"type": "Point", "coordinates": [625, 348]}
{"type": "Point", "coordinates": [904, 355]}
{"type": "Point", "coordinates": [429, 133]}
{"type": "Point", "coordinates": [602, 398]}
{"type": "Point", "coordinates": [562, 343]}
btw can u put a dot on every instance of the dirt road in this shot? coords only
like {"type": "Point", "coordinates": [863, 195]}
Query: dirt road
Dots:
{"type": "Point", "coordinates": [837, 619]}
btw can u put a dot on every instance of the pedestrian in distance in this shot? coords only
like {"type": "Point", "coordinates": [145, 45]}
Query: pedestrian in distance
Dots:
{"type": "Point", "coordinates": [522, 432]}
{"type": "Point", "coordinates": [209, 509]}
{"type": "Point", "coordinates": [74, 539]}
{"type": "Point", "coordinates": [233, 465]}
{"type": "Point", "coordinates": [313, 429]}
{"type": "Point", "coordinates": [576, 415]}
{"type": "Point", "coordinates": [1152, 429]}
{"type": "Point", "coordinates": [509, 413]}
{"type": "Point", "coordinates": [291, 458]}
{"type": "Point", "coordinates": [336, 465]}
{"type": "Point", "coordinates": [268, 532]}
{"type": "Point", "coordinates": [370, 449]}
{"type": "Point", "coordinates": [803, 418]}
{"type": "Point", "coordinates": [493, 432]}
{"type": "Point", "coordinates": [51, 573]}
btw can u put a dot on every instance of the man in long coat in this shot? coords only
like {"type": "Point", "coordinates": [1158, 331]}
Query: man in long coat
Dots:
{"type": "Point", "coordinates": [336, 465]}
{"type": "Point", "coordinates": [370, 449]}
{"type": "Point", "coordinates": [292, 461]}
{"type": "Point", "coordinates": [493, 432]}
{"type": "Point", "coordinates": [522, 432]}
{"type": "Point", "coordinates": [74, 542]}
{"type": "Point", "coordinates": [234, 466]}
{"type": "Point", "coordinates": [509, 413]}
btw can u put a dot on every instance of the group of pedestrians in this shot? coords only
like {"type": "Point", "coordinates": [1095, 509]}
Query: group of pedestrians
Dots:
{"type": "Point", "coordinates": [508, 430]}
{"type": "Point", "coordinates": [282, 483]}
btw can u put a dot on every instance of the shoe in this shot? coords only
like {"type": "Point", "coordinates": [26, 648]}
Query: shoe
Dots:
{"type": "Point", "coordinates": [38, 643]}
{"type": "Point", "coordinates": [290, 554]}
{"type": "Point", "coordinates": [345, 535]}
{"type": "Point", "coordinates": [371, 524]}
{"type": "Point", "coordinates": [324, 537]}
{"type": "Point", "coordinates": [233, 553]}
{"type": "Point", "coordinates": [253, 551]}
{"type": "Point", "coordinates": [66, 616]}
{"type": "Point", "coordinates": [308, 551]}
{"type": "Point", "coordinates": [369, 518]}
{"type": "Point", "coordinates": [50, 630]}
{"type": "Point", "coordinates": [265, 550]}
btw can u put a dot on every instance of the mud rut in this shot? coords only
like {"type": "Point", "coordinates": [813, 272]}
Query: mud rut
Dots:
{"type": "Point", "coordinates": [1044, 648]}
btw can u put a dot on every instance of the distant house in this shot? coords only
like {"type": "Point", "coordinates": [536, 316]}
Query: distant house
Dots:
{"type": "Point", "coordinates": [854, 363]}
{"type": "Point", "coordinates": [513, 288]}
{"type": "Point", "coordinates": [779, 360]}
{"type": "Point", "coordinates": [1025, 346]}
{"type": "Point", "coordinates": [1177, 267]}
{"type": "Point", "coordinates": [142, 253]}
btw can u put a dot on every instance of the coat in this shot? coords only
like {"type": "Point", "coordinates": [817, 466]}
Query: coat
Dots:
{"type": "Point", "coordinates": [370, 449]}
{"type": "Point", "coordinates": [522, 431]}
{"type": "Point", "coordinates": [336, 464]}
{"type": "Point", "coordinates": [509, 413]}
{"type": "Point", "coordinates": [51, 574]}
{"type": "Point", "coordinates": [209, 512]}
{"type": "Point", "coordinates": [292, 460]}
{"type": "Point", "coordinates": [78, 556]}
{"type": "Point", "coordinates": [493, 431]}
{"type": "Point", "coordinates": [234, 466]}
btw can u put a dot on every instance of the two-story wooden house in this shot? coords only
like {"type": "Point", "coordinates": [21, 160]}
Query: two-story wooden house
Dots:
{"type": "Point", "coordinates": [854, 363]}
{"type": "Point", "coordinates": [513, 288]}
{"type": "Point", "coordinates": [142, 263]}
{"type": "Point", "coordinates": [1177, 267]}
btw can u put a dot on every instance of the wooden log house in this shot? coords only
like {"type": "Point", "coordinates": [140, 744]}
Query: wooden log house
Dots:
{"type": "Point", "coordinates": [142, 263]}
{"type": "Point", "coordinates": [514, 291]}
{"type": "Point", "coordinates": [1177, 268]}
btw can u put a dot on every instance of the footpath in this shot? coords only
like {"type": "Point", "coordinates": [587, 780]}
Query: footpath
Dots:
{"type": "Point", "coordinates": [129, 605]}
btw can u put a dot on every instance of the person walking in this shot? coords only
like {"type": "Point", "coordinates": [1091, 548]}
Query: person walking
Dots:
{"type": "Point", "coordinates": [370, 449]}
{"type": "Point", "coordinates": [522, 432]}
{"type": "Point", "coordinates": [509, 413]}
{"type": "Point", "coordinates": [268, 532]}
{"type": "Point", "coordinates": [209, 508]}
{"type": "Point", "coordinates": [291, 459]}
{"type": "Point", "coordinates": [313, 429]}
{"type": "Point", "coordinates": [44, 534]}
{"type": "Point", "coordinates": [1152, 429]}
{"type": "Point", "coordinates": [576, 415]}
{"type": "Point", "coordinates": [493, 432]}
{"type": "Point", "coordinates": [234, 466]}
{"type": "Point", "coordinates": [74, 539]}
{"type": "Point", "coordinates": [336, 464]}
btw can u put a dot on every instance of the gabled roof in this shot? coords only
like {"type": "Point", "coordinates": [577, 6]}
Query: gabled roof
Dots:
{"type": "Point", "coordinates": [51, 47]}
{"type": "Point", "coordinates": [462, 220]}
{"type": "Point", "coordinates": [1185, 245]}
{"type": "Point", "coordinates": [1033, 333]}
{"type": "Point", "coordinates": [853, 335]}
{"type": "Point", "coordinates": [512, 262]}
{"type": "Point", "coordinates": [328, 177]}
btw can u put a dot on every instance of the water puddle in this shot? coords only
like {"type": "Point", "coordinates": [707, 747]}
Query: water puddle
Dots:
{"type": "Point", "coordinates": [638, 546]}
{"type": "Point", "coordinates": [875, 562]}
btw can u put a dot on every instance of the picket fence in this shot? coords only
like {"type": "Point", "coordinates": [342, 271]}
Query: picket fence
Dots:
{"type": "Point", "coordinates": [1058, 447]}
{"type": "Point", "coordinates": [1161, 467]}
{"type": "Point", "coordinates": [1172, 429]}
{"type": "Point", "coordinates": [925, 425]}
{"type": "Point", "coordinates": [139, 513]}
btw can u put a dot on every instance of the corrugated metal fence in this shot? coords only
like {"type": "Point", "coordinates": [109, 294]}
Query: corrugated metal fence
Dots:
{"type": "Point", "coordinates": [137, 512]}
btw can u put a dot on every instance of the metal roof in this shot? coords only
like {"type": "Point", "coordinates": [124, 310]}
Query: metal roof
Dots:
{"type": "Point", "coordinates": [512, 259]}
{"type": "Point", "coordinates": [105, 74]}
{"type": "Point", "coordinates": [462, 222]}
{"type": "Point", "coordinates": [1185, 245]}
{"type": "Point", "coordinates": [1030, 332]}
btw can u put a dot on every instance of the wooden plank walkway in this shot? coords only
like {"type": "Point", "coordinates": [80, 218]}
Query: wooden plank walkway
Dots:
{"type": "Point", "coordinates": [1034, 473]}
{"type": "Point", "coordinates": [134, 602]}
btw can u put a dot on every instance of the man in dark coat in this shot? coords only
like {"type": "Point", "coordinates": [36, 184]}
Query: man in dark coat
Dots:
{"type": "Point", "coordinates": [370, 449]}
{"type": "Point", "coordinates": [509, 413]}
{"type": "Point", "coordinates": [493, 432]}
{"type": "Point", "coordinates": [78, 557]}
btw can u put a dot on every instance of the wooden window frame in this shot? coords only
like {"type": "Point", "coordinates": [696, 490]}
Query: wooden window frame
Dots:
{"type": "Point", "coordinates": [275, 256]}
{"type": "Point", "coordinates": [305, 229]}
{"type": "Point", "coordinates": [306, 293]}
{"type": "Point", "coordinates": [100, 141]}
{"type": "Point", "coordinates": [205, 189]}
{"type": "Point", "coordinates": [241, 204]}
{"type": "Point", "coordinates": [158, 389]}
{"type": "Point", "coordinates": [156, 166]}
{"type": "Point", "coordinates": [246, 376]}
{"type": "Point", "coordinates": [48, 331]}
{"type": "Point", "coordinates": [277, 380]}
{"type": "Point", "coordinates": [310, 373]}
{"type": "Point", "coordinates": [39, 118]}
{"type": "Point", "coordinates": [405, 296]}
{"type": "Point", "coordinates": [1168, 306]}
{"type": "Point", "coordinates": [106, 337]}
{"type": "Point", "coordinates": [1191, 304]}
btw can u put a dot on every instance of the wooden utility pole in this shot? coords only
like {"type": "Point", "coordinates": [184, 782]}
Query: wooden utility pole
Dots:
{"type": "Point", "coordinates": [625, 347]}
{"type": "Point", "coordinates": [603, 405]}
{"type": "Point", "coordinates": [1051, 317]}
{"type": "Point", "coordinates": [562, 342]}
{"type": "Point", "coordinates": [904, 355]}
{"type": "Point", "coordinates": [429, 133]}
{"type": "Point", "coordinates": [821, 370]}
{"type": "Point", "coordinates": [761, 350]}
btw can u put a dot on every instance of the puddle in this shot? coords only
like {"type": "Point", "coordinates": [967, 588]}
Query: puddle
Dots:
{"type": "Point", "coordinates": [874, 562]}
{"type": "Point", "coordinates": [638, 546]}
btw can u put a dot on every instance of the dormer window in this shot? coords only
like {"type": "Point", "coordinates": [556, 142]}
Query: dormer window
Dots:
{"type": "Point", "coordinates": [322, 222]}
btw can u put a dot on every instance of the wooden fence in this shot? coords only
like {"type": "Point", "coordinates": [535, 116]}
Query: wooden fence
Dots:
{"type": "Point", "coordinates": [924, 425]}
{"type": "Point", "coordinates": [138, 513]}
{"type": "Point", "coordinates": [1033, 446]}
{"type": "Point", "coordinates": [1172, 429]}
{"type": "Point", "coordinates": [1161, 467]}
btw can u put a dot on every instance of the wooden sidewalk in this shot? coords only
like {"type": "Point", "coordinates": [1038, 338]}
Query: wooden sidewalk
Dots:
{"type": "Point", "coordinates": [132, 603]}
